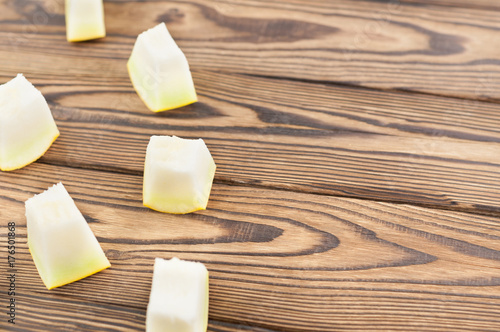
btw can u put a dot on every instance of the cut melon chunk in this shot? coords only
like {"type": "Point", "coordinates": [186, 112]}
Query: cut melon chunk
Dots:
{"type": "Point", "coordinates": [179, 297]}
{"type": "Point", "coordinates": [60, 240]}
{"type": "Point", "coordinates": [84, 20]}
{"type": "Point", "coordinates": [159, 71]}
{"type": "Point", "coordinates": [178, 174]}
{"type": "Point", "coordinates": [27, 128]}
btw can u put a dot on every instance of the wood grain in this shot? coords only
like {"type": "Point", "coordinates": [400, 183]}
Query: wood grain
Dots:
{"type": "Point", "coordinates": [425, 150]}
{"type": "Point", "coordinates": [40, 312]}
{"type": "Point", "coordinates": [357, 146]}
{"type": "Point", "coordinates": [277, 260]}
{"type": "Point", "coordinates": [446, 4]}
{"type": "Point", "coordinates": [375, 44]}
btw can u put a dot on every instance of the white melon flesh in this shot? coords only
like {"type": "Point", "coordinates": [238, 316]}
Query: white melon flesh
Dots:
{"type": "Point", "coordinates": [84, 20]}
{"type": "Point", "coordinates": [179, 297]}
{"type": "Point", "coordinates": [27, 128]}
{"type": "Point", "coordinates": [159, 71]}
{"type": "Point", "coordinates": [178, 174]}
{"type": "Point", "coordinates": [60, 240]}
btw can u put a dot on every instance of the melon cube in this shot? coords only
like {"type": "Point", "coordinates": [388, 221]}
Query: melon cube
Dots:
{"type": "Point", "coordinates": [27, 128]}
{"type": "Point", "coordinates": [84, 20]}
{"type": "Point", "coordinates": [60, 240]}
{"type": "Point", "coordinates": [179, 297]}
{"type": "Point", "coordinates": [159, 71]}
{"type": "Point", "coordinates": [178, 174]}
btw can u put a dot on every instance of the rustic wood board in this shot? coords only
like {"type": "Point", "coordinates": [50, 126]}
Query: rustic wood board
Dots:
{"type": "Point", "coordinates": [358, 154]}
{"type": "Point", "coordinates": [377, 44]}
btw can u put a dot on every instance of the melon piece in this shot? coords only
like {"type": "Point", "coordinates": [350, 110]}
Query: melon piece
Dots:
{"type": "Point", "coordinates": [179, 297]}
{"type": "Point", "coordinates": [27, 128]}
{"type": "Point", "coordinates": [84, 20]}
{"type": "Point", "coordinates": [60, 240]}
{"type": "Point", "coordinates": [178, 174]}
{"type": "Point", "coordinates": [159, 71]}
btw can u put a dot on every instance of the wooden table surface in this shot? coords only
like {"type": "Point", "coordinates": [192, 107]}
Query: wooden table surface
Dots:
{"type": "Point", "coordinates": [357, 145]}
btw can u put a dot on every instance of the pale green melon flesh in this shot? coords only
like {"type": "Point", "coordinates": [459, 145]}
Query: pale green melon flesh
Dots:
{"type": "Point", "coordinates": [178, 174]}
{"type": "Point", "coordinates": [179, 297]}
{"type": "Point", "coordinates": [159, 71]}
{"type": "Point", "coordinates": [27, 128]}
{"type": "Point", "coordinates": [61, 242]}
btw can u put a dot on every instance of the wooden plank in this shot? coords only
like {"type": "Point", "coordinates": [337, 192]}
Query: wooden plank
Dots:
{"type": "Point", "coordinates": [277, 260]}
{"type": "Point", "coordinates": [296, 136]}
{"type": "Point", "coordinates": [65, 313]}
{"type": "Point", "coordinates": [373, 44]}
{"type": "Point", "coordinates": [479, 4]}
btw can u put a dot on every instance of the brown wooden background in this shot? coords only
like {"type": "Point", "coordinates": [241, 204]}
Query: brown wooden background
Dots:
{"type": "Point", "coordinates": [358, 154]}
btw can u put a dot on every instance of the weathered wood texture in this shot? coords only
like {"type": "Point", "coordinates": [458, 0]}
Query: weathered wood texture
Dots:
{"type": "Point", "coordinates": [277, 260]}
{"type": "Point", "coordinates": [341, 202]}
{"type": "Point", "coordinates": [390, 45]}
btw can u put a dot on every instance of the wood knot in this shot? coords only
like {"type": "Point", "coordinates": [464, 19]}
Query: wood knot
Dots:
{"type": "Point", "coordinates": [173, 15]}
